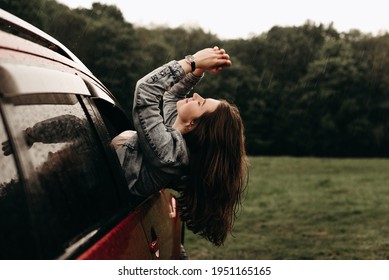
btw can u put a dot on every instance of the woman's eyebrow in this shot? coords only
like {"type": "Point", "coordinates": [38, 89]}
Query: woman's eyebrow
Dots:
{"type": "Point", "coordinates": [204, 102]}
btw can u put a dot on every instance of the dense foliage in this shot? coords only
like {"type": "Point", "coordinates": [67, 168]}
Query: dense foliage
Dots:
{"type": "Point", "coordinates": [304, 90]}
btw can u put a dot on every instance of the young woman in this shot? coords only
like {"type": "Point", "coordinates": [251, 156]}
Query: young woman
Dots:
{"type": "Point", "coordinates": [195, 146]}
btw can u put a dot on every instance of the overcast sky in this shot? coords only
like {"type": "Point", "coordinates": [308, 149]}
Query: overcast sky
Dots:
{"type": "Point", "coordinates": [242, 18]}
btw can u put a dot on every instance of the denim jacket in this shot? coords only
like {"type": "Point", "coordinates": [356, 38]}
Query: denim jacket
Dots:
{"type": "Point", "coordinates": [157, 156]}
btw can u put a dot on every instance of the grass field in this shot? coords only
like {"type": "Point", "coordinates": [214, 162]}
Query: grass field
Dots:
{"type": "Point", "coordinates": [308, 208]}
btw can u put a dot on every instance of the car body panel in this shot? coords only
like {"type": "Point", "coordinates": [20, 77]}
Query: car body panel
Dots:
{"type": "Point", "coordinates": [127, 240]}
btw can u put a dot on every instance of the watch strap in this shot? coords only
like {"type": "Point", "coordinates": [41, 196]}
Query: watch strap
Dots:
{"type": "Point", "coordinates": [191, 60]}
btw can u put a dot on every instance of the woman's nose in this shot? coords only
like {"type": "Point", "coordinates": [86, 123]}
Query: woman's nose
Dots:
{"type": "Point", "coordinates": [197, 96]}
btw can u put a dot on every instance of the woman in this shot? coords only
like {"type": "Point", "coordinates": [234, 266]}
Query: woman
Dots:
{"type": "Point", "coordinates": [195, 147]}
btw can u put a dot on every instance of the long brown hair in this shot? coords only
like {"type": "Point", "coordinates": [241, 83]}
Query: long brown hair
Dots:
{"type": "Point", "coordinates": [217, 174]}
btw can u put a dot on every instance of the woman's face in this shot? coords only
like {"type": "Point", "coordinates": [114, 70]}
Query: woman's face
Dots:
{"type": "Point", "coordinates": [189, 109]}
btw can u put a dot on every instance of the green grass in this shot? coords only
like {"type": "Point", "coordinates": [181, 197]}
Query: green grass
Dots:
{"type": "Point", "coordinates": [308, 208]}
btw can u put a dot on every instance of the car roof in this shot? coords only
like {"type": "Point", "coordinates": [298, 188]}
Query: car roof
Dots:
{"type": "Point", "coordinates": [33, 44]}
{"type": "Point", "coordinates": [41, 37]}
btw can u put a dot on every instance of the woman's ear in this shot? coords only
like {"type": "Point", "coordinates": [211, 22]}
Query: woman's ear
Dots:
{"type": "Point", "coordinates": [190, 126]}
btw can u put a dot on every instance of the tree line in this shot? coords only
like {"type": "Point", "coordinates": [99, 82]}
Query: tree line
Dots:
{"type": "Point", "coordinates": [304, 90]}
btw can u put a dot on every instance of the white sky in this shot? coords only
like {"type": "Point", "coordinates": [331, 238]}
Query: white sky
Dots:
{"type": "Point", "coordinates": [242, 18]}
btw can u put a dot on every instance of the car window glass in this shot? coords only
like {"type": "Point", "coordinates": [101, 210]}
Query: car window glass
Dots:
{"type": "Point", "coordinates": [8, 172]}
{"type": "Point", "coordinates": [15, 233]}
{"type": "Point", "coordinates": [68, 164]}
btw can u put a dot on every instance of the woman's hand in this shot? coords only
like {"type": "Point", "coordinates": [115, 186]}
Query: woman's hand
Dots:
{"type": "Point", "coordinates": [211, 60]}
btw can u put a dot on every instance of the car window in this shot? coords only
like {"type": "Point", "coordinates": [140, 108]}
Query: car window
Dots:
{"type": "Point", "coordinates": [71, 190]}
{"type": "Point", "coordinates": [16, 238]}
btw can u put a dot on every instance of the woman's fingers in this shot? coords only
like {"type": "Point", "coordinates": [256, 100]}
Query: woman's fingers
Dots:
{"type": "Point", "coordinates": [212, 59]}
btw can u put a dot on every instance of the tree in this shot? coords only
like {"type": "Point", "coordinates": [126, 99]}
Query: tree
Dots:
{"type": "Point", "coordinates": [29, 10]}
{"type": "Point", "coordinates": [301, 90]}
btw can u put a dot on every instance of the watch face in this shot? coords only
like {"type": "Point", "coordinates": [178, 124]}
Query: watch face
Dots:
{"type": "Point", "coordinates": [190, 58]}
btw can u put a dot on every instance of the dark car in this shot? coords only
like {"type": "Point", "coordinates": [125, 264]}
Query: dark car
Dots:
{"type": "Point", "coordinates": [62, 190]}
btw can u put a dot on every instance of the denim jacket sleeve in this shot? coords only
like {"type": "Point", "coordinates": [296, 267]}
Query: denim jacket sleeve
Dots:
{"type": "Point", "coordinates": [177, 92]}
{"type": "Point", "coordinates": [162, 146]}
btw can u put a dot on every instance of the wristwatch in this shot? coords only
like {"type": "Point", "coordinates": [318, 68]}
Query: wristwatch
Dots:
{"type": "Point", "coordinates": [191, 60]}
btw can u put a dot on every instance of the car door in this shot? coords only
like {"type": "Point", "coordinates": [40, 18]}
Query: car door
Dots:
{"type": "Point", "coordinates": [69, 188]}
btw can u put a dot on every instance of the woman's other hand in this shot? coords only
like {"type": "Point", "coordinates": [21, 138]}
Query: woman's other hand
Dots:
{"type": "Point", "coordinates": [211, 60]}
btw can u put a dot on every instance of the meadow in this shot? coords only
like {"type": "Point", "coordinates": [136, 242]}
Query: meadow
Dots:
{"type": "Point", "coordinates": [308, 209]}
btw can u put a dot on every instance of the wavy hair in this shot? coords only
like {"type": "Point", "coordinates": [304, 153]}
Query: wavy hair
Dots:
{"type": "Point", "coordinates": [217, 173]}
